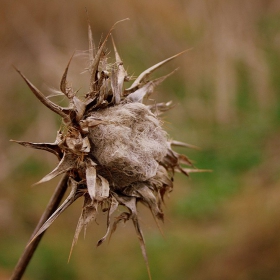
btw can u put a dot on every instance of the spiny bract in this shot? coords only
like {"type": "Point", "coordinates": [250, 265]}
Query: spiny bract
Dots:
{"type": "Point", "coordinates": [111, 145]}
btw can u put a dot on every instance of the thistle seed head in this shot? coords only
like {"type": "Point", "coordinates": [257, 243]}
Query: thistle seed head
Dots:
{"type": "Point", "coordinates": [129, 145]}
{"type": "Point", "coordinates": [112, 145]}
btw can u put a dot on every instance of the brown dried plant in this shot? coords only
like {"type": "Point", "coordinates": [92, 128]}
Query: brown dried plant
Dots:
{"type": "Point", "coordinates": [112, 146]}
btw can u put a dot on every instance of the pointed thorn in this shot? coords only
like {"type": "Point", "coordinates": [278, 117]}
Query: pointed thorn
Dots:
{"type": "Point", "coordinates": [182, 144]}
{"type": "Point", "coordinates": [94, 66]}
{"type": "Point", "coordinates": [117, 56]}
{"type": "Point", "coordinates": [63, 82]}
{"type": "Point", "coordinates": [144, 75]}
{"type": "Point", "coordinates": [67, 163]}
{"type": "Point", "coordinates": [90, 40]}
{"type": "Point", "coordinates": [49, 147]}
{"type": "Point", "coordinates": [147, 89]}
{"type": "Point", "coordinates": [52, 106]}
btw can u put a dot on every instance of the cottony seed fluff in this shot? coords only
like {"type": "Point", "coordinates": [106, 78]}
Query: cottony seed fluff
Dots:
{"type": "Point", "coordinates": [111, 145]}
{"type": "Point", "coordinates": [130, 144]}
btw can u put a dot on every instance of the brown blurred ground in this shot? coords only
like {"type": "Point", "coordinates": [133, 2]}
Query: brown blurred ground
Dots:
{"type": "Point", "coordinates": [222, 225]}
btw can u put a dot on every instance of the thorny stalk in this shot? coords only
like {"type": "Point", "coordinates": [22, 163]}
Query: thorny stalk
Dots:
{"type": "Point", "coordinates": [112, 145]}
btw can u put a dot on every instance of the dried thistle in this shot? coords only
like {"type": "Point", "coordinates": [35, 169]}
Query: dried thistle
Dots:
{"type": "Point", "coordinates": [112, 145]}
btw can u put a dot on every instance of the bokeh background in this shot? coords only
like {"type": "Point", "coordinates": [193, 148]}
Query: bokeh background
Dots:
{"type": "Point", "coordinates": [219, 225]}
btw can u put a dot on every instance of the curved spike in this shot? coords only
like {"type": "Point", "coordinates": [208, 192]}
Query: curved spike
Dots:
{"type": "Point", "coordinates": [142, 243]}
{"type": "Point", "coordinates": [147, 89]}
{"type": "Point", "coordinates": [117, 56]}
{"type": "Point", "coordinates": [94, 66]}
{"type": "Point", "coordinates": [67, 163]}
{"type": "Point", "coordinates": [160, 108]}
{"type": "Point", "coordinates": [144, 75]}
{"type": "Point", "coordinates": [182, 144]}
{"type": "Point", "coordinates": [91, 48]}
{"type": "Point", "coordinates": [178, 168]}
{"type": "Point", "coordinates": [183, 159]}
{"type": "Point", "coordinates": [192, 170]}
{"type": "Point", "coordinates": [63, 81]}
{"type": "Point", "coordinates": [148, 198]}
{"type": "Point", "coordinates": [49, 147]}
{"type": "Point", "coordinates": [77, 107]}
{"type": "Point", "coordinates": [52, 106]}
{"type": "Point", "coordinates": [120, 75]}
{"type": "Point", "coordinates": [113, 207]}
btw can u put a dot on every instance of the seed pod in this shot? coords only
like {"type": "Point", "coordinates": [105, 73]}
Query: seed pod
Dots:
{"type": "Point", "coordinates": [112, 145]}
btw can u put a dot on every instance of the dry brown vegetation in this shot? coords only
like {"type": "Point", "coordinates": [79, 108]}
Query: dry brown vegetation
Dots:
{"type": "Point", "coordinates": [222, 225]}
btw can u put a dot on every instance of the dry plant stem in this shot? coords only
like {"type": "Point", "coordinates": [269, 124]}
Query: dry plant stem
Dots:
{"type": "Point", "coordinates": [112, 144]}
{"type": "Point", "coordinates": [30, 249]}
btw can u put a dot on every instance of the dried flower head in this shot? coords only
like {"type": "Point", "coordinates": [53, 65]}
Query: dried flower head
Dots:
{"type": "Point", "coordinates": [112, 145]}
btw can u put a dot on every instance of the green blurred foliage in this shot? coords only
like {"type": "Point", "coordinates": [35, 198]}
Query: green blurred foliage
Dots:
{"type": "Point", "coordinates": [219, 225]}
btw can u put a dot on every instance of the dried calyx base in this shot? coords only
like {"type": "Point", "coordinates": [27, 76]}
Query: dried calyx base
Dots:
{"type": "Point", "coordinates": [112, 145]}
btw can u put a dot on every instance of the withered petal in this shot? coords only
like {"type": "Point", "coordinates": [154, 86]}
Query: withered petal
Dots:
{"type": "Point", "coordinates": [91, 181]}
{"type": "Point", "coordinates": [88, 214]}
{"type": "Point", "coordinates": [113, 207]}
{"type": "Point", "coordinates": [102, 188]}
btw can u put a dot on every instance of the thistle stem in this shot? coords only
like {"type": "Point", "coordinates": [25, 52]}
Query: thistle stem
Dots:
{"type": "Point", "coordinates": [30, 249]}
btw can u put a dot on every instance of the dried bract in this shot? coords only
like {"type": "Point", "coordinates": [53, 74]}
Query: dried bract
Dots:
{"type": "Point", "coordinates": [112, 145]}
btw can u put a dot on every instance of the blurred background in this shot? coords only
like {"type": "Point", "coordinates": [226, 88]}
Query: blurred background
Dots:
{"type": "Point", "coordinates": [219, 225]}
